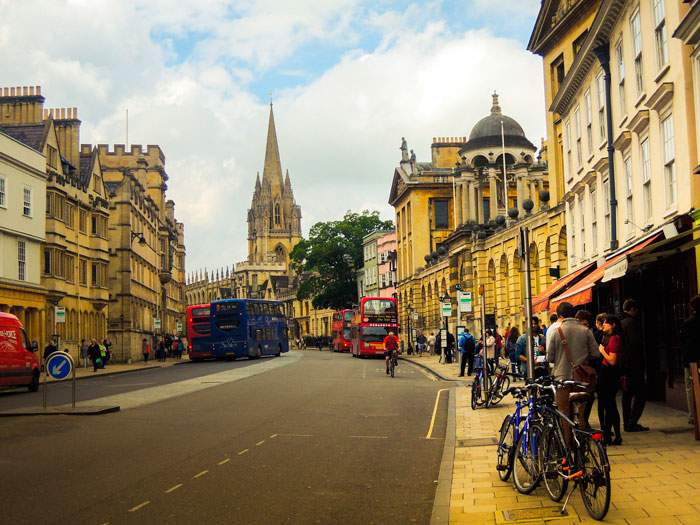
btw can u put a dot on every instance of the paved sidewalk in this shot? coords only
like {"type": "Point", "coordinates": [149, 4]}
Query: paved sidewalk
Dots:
{"type": "Point", "coordinates": [120, 368]}
{"type": "Point", "coordinates": [655, 475]}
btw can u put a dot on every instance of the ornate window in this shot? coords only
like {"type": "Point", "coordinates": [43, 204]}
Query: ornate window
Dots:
{"type": "Point", "coordinates": [277, 214]}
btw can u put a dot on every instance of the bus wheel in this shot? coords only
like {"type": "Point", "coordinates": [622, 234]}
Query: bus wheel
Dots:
{"type": "Point", "coordinates": [255, 353]}
{"type": "Point", "coordinates": [279, 351]}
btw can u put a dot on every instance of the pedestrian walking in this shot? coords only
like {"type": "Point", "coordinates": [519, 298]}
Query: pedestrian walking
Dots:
{"type": "Point", "coordinates": [512, 349]}
{"type": "Point", "coordinates": [490, 348]}
{"type": "Point", "coordinates": [50, 349]}
{"type": "Point", "coordinates": [466, 346]}
{"type": "Point", "coordinates": [145, 350]}
{"type": "Point", "coordinates": [108, 350]}
{"type": "Point", "coordinates": [431, 344]}
{"type": "Point", "coordinates": [84, 353]}
{"type": "Point", "coordinates": [690, 341]}
{"type": "Point", "coordinates": [633, 379]}
{"type": "Point", "coordinates": [180, 348]}
{"type": "Point", "coordinates": [174, 346]}
{"type": "Point", "coordinates": [570, 348]}
{"type": "Point", "coordinates": [421, 343]}
{"type": "Point", "coordinates": [499, 344]}
{"type": "Point", "coordinates": [609, 380]}
{"type": "Point", "coordinates": [103, 354]}
{"type": "Point", "coordinates": [94, 355]}
{"type": "Point", "coordinates": [521, 353]}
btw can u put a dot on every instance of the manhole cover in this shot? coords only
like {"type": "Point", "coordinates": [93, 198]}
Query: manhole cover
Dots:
{"type": "Point", "coordinates": [536, 513]}
{"type": "Point", "coordinates": [477, 442]}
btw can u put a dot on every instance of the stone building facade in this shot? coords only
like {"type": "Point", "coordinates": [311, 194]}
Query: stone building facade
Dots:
{"type": "Point", "coordinates": [147, 263]}
{"type": "Point", "coordinates": [458, 225]}
{"type": "Point", "coordinates": [22, 233]}
{"type": "Point", "coordinates": [75, 254]}
{"type": "Point", "coordinates": [624, 125]}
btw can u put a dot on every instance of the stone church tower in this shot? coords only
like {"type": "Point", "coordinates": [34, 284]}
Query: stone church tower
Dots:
{"type": "Point", "coordinates": [274, 219]}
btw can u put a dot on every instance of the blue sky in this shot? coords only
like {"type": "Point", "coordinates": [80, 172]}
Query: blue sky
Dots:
{"type": "Point", "coordinates": [314, 57]}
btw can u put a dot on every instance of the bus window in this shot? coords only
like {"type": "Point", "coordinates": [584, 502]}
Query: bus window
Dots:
{"type": "Point", "coordinates": [374, 334]}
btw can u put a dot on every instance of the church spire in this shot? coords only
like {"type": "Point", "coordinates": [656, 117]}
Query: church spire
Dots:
{"type": "Point", "coordinates": [272, 171]}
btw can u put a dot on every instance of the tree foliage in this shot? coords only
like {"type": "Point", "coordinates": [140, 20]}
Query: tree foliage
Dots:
{"type": "Point", "coordinates": [328, 260]}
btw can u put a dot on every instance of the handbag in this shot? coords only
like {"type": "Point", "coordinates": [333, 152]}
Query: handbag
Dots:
{"type": "Point", "coordinates": [582, 373]}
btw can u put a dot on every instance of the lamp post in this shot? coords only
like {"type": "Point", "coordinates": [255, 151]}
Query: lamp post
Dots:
{"type": "Point", "coordinates": [445, 300]}
{"type": "Point", "coordinates": [409, 311]}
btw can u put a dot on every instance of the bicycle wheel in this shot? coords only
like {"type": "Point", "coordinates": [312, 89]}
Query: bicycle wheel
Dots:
{"type": "Point", "coordinates": [552, 455]}
{"type": "Point", "coordinates": [392, 367]}
{"type": "Point", "coordinates": [526, 472]}
{"type": "Point", "coordinates": [595, 483]}
{"type": "Point", "coordinates": [499, 389]}
{"type": "Point", "coordinates": [476, 393]}
{"type": "Point", "coordinates": [504, 466]}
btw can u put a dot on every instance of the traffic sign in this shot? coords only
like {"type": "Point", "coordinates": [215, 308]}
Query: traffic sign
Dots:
{"type": "Point", "coordinates": [464, 300]}
{"type": "Point", "coordinates": [178, 327]}
{"type": "Point", "coordinates": [156, 324]}
{"type": "Point", "coordinates": [446, 309]}
{"type": "Point", "coordinates": [59, 365]}
{"type": "Point", "coordinates": [60, 314]}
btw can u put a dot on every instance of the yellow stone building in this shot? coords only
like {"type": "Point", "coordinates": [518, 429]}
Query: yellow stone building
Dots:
{"type": "Point", "coordinates": [147, 266]}
{"type": "Point", "coordinates": [458, 224]}
{"type": "Point", "coordinates": [76, 253]}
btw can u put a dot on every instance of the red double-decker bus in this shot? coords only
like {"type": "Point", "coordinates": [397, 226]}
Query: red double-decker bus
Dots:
{"type": "Point", "coordinates": [199, 332]}
{"type": "Point", "coordinates": [374, 319]}
{"type": "Point", "coordinates": [342, 323]}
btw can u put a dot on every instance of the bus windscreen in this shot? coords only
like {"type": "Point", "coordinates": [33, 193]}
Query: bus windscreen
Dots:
{"type": "Point", "coordinates": [379, 311]}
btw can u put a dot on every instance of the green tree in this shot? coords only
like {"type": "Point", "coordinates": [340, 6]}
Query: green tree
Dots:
{"type": "Point", "coordinates": [329, 259]}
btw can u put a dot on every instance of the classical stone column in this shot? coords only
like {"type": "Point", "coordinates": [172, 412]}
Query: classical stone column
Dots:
{"type": "Point", "coordinates": [520, 191]}
{"type": "Point", "coordinates": [493, 191]}
{"type": "Point", "coordinates": [459, 188]}
{"type": "Point", "coordinates": [473, 210]}
{"type": "Point", "coordinates": [479, 204]}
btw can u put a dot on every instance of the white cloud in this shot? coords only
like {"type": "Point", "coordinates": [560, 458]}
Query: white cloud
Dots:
{"type": "Point", "coordinates": [339, 134]}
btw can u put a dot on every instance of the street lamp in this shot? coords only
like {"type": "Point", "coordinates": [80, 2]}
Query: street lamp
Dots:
{"type": "Point", "coordinates": [410, 310]}
{"type": "Point", "coordinates": [139, 236]}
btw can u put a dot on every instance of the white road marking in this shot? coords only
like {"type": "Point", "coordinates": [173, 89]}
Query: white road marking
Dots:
{"type": "Point", "coordinates": [139, 506]}
{"type": "Point", "coordinates": [273, 436]}
{"type": "Point", "coordinates": [243, 451]}
{"type": "Point", "coordinates": [224, 461]}
{"type": "Point", "coordinates": [204, 472]}
{"type": "Point", "coordinates": [432, 420]}
{"type": "Point", "coordinates": [259, 443]}
{"type": "Point", "coordinates": [370, 437]}
{"type": "Point", "coordinates": [296, 435]}
{"type": "Point", "coordinates": [173, 488]}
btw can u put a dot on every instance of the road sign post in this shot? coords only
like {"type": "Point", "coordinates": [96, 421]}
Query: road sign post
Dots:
{"type": "Point", "coordinates": [59, 366]}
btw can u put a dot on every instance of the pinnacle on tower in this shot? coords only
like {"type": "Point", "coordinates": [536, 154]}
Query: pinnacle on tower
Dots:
{"type": "Point", "coordinates": [272, 170]}
{"type": "Point", "coordinates": [495, 108]}
{"type": "Point", "coordinates": [287, 183]}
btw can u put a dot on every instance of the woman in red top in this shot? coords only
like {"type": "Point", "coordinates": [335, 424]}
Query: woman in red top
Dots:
{"type": "Point", "coordinates": [608, 380]}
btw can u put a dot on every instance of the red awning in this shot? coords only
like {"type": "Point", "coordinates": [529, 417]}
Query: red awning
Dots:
{"type": "Point", "coordinates": [540, 303]}
{"type": "Point", "coordinates": [582, 292]}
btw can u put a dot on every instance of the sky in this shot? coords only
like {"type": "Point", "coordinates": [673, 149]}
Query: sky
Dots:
{"type": "Point", "coordinates": [348, 79]}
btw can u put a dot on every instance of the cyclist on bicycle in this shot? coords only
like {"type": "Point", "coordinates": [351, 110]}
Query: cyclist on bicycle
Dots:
{"type": "Point", "coordinates": [391, 346]}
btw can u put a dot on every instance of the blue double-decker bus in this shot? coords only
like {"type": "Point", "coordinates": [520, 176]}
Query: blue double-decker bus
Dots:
{"type": "Point", "coordinates": [248, 328]}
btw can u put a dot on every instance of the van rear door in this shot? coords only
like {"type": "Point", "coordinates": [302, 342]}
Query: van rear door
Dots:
{"type": "Point", "coordinates": [11, 364]}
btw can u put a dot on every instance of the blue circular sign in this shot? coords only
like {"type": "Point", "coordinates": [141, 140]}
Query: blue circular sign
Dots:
{"type": "Point", "coordinates": [59, 365]}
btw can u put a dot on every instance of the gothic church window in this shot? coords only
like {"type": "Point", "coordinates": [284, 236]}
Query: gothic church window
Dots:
{"type": "Point", "coordinates": [277, 214]}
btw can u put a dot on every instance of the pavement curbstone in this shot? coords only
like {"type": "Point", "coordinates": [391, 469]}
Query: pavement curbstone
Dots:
{"type": "Point", "coordinates": [116, 372]}
{"type": "Point", "coordinates": [430, 370]}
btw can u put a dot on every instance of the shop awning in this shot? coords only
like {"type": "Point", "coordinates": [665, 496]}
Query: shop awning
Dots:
{"type": "Point", "coordinates": [615, 267]}
{"type": "Point", "coordinates": [540, 303]}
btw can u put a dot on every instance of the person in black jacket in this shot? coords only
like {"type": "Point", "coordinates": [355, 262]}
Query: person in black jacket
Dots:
{"type": "Point", "coordinates": [690, 341]}
{"type": "Point", "coordinates": [633, 368]}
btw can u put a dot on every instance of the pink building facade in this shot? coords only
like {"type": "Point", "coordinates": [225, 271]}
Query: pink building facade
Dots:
{"type": "Point", "coordinates": [386, 263]}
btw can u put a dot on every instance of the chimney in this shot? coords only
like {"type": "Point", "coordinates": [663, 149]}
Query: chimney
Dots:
{"type": "Point", "coordinates": [21, 105]}
{"type": "Point", "coordinates": [68, 132]}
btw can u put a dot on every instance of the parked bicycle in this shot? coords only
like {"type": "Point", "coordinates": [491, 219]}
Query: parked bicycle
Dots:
{"type": "Point", "coordinates": [480, 388]}
{"type": "Point", "coordinates": [509, 434]}
{"type": "Point", "coordinates": [500, 385]}
{"type": "Point", "coordinates": [585, 462]}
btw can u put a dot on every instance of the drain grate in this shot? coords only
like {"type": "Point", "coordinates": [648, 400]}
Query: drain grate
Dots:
{"type": "Point", "coordinates": [535, 513]}
{"type": "Point", "coordinates": [477, 442]}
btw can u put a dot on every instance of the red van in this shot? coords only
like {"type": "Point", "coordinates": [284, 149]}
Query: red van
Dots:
{"type": "Point", "coordinates": [19, 364]}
